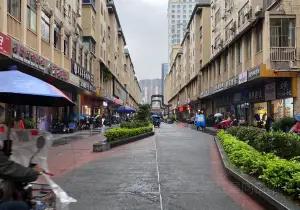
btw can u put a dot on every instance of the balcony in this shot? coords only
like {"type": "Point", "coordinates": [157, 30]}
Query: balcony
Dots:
{"type": "Point", "coordinates": [269, 3]}
{"type": "Point", "coordinates": [110, 6]}
{"type": "Point", "coordinates": [283, 54]}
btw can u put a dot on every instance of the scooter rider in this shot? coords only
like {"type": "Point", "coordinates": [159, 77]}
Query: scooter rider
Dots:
{"type": "Point", "coordinates": [15, 173]}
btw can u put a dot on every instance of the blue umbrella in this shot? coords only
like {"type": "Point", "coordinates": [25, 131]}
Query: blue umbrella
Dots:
{"type": "Point", "coordinates": [125, 109]}
{"type": "Point", "coordinates": [22, 89]}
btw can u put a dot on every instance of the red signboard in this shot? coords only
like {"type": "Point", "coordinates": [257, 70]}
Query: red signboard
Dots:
{"type": "Point", "coordinates": [27, 56]}
{"type": "Point", "coordinates": [5, 44]}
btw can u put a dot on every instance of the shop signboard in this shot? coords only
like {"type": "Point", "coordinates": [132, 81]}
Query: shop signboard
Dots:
{"type": "Point", "coordinates": [270, 91]}
{"type": "Point", "coordinates": [5, 45]}
{"type": "Point", "coordinates": [86, 85]}
{"type": "Point", "coordinates": [243, 77]}
{"type": "Point", "coordinates": [284, 89]}
{"type": "Point", "coordinates": [32, 59]}
{"type": "Point", "coordinates": [74, 80]}
{"type": "Point", "coordinates": [82, 72]}
{"type": "Point", "coordinates": [254, 73]}
{"type": "Point", "coordinates": [231, 82]}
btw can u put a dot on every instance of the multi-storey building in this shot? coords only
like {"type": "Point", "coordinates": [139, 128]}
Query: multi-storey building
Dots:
{"type": "Point", "coordinates": [254, 63]}
{"type": "Point", "coordinates": [150, 87]}
{"type": "Point", "coordinates": [164, 72]}
{"type": "Point", "coordinates": [183, 82]}
{"type": "Point", "coordinates": [179, 13]}
{"type": "Point", "coordinates": [78, 46]}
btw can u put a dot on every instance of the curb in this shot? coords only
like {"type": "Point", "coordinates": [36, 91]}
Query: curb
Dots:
{"type": "Point", "coordinates": [120, 142]}
{"type": "Point", "coordinates": [271, 198]}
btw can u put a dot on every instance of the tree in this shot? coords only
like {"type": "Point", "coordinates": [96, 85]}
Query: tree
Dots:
{"type": "Point", "coordinates": [143, 113]}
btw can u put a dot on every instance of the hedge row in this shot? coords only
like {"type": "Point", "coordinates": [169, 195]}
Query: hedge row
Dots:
{"type": "Point", "coordinates": [120, 133]}
{"type": "Point", "coordinates": [279, 174]}
{"type": "Point", "coordinates": [134, 124]}
{"type": "Point", "coordinates": [284, 145]}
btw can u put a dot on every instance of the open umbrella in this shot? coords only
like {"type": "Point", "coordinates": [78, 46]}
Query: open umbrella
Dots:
{"type": "Point", "coordinates": [125, 109]}
{"type": "Point", "coordinates": [218, 115]}
{"type": "Point", "coordinates": [18, 88]}
{"type": "Point", "coordinates": [22, 89]}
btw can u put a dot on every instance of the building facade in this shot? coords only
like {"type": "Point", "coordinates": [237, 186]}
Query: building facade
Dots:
{"type": "Point", "coordinates": [254, 63]}
{"type": "Point", "coordinates": [150, 87]}
{"type": "Point", "coordinates": [77, 46]}
{"type": "Point", "coordinates": [182, 83]}
{"type": "Point", "coordinates": [164, 72]}
{"type": "Point", "coordinates": [179, 13]}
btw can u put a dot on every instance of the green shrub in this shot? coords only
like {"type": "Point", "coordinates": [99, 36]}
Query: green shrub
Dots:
{"type": "Point", "coordinates": [284, 145]}
{"type": "Point", "coordinates": [135, 124]}
{"type": "Point", "coordinates": [29, 123]}
{"type": "Point", "coordinates": [284, 124]}
{"type": "Point", "coordinates": [280, 174]}
{"type": "Point", "coordinates": [120, 133]}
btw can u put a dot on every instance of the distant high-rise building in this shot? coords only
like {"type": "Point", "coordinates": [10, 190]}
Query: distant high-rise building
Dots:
{"type": "Point", "coordinates": [150, 87]}
{"type": "Point", "coordinates": [179, 13]}
{"type": "Point", "coordinates": [164, 72]}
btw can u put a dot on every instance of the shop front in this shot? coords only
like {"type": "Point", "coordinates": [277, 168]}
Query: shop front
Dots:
{"type": "Point", "coordinates": [29, 62]}
{"type": "Point", "coordinates": [90, 105]}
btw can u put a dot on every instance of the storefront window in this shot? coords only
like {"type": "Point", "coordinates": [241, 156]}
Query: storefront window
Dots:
{"type": "Point", "coordinates": [283, 108]}
{"type": "Point", "coordinates": [31, 15]}
{"type": "Point", "coordinates": [289, 107]}
{"type": "Point", "coordinates": [260, 111]}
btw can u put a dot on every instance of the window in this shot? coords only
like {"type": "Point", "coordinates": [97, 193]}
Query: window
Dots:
{"type": "Point", "coordinates": [45, 27]}
{"type": "Point", "coordinates": [57, 37]}
{"type": "Point", "coordinates": [31, 15]}
{"type": "Point", "coordinates": [85, 60]}
{"type": "Point", "coordinates": [217, 17]}
{"type": "Point", "coordinates": [80, 56]}
{"type": "Point", "coordinates": [248, 46]}
{"type": "Point", "coordinates": [226, 61]}
{"type": "Point", "coordinates": [14, 8]}
{"type": "Point", "coordinates": [74, 50]}
{"type": "Point", "coordinates": [66, 45]}
{"type": "Point", "coordinates": [239, 52]}
{"type": "Point", "coordinates": [282, 32]}
{"type": "Point", "coordinates": [259, 38]}
{"type": "Point", "coordinates": [91, 65]}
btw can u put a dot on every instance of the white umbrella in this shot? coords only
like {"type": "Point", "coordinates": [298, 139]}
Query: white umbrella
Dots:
{"type": "Point", "coordinates": [218, 115]}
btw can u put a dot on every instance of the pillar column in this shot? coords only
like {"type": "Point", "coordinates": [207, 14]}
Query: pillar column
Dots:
{"type": "Point", "coordinates": [38, 27]}
{"type": "Point", "coordinates": [62, 46]}
{"type": "Point", "coordinates": [23, 21]}
{"type": "Point", "coordinates": [3, 16]}
{"type": "Point", "coordinates": [52, 36]}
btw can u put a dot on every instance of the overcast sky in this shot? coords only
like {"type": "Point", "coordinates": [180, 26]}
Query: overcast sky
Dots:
{"type": "Point", "coordinates": [145, 26]}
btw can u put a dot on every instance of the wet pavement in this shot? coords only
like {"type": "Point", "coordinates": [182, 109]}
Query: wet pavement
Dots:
{"type": "Point", "coordinates": [178, 168]}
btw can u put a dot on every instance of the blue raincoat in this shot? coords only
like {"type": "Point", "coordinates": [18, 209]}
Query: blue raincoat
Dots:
{"type": "Point", "coordinates": [200, 121]}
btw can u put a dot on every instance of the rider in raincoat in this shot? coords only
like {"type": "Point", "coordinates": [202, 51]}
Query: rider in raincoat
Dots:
{"type": "Point", "coordinates": [200, 121]}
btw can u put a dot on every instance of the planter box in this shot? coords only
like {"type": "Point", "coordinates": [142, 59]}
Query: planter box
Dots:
{"type": "Point", "coordinates": [119, 142]}
{"type": "Point", "coordinates": [274, 200]}
{"type": "Point", "coordinates": [101, 146]}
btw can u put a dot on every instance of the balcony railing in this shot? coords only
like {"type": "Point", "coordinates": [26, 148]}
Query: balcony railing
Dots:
{"type": "Point", "coordinates": [283, 53]}
{"type": "Point", "coordinates": [268, 3]}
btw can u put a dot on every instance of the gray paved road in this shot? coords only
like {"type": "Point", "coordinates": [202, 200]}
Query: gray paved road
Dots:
{"type": "Point", "coordinates": [176, 169]}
